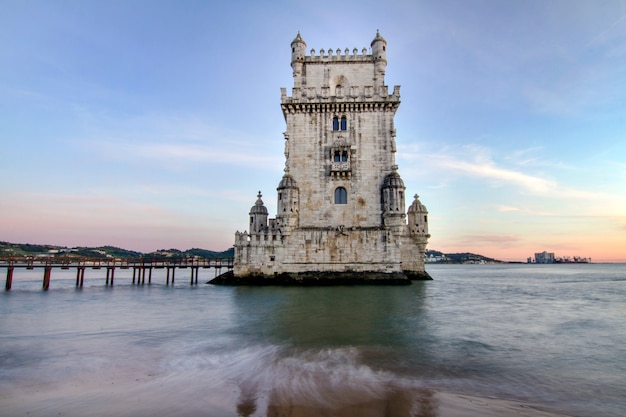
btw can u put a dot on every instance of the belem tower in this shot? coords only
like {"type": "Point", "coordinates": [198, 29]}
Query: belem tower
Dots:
{"type": "Point", "coordinates": [341, 202]}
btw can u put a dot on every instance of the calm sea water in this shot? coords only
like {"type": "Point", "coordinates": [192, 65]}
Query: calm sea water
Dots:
{"type": "Point", "coordinates": [553, 335]}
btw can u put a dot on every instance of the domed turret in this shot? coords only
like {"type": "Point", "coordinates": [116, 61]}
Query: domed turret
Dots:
{"type": "Point", "coordinates": [288, 195]}
{"type": "Point", "coordinates": [286, 182]}
{"type": "Point", "coordinates": [298, 51]}
{"type": "Point", "coordinates": [418, 217]}
{"type": "Point", "coordinates": [393, 180]}
{"type": "Point", "coordinates": [379, 52]}
{"type": "Point", "coordinates": [258, 216]}
{"type": "Point", "coordinates": [393, 193]}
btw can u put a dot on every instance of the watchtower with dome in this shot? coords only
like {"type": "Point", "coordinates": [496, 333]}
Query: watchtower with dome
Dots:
{"type": "Point", "coordinates": [341, 201]}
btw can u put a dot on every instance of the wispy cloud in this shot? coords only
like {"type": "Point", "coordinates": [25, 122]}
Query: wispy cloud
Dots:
{"type": "Point", "coordinates": [178, 140]}
{"type": "Point", "coordinates": [489, 170]}
{"type": "Point", "coordinates": [603, 35]}
{"type": "Point", "coordinates": [498, 239]}
{"type": "Point", "coordinates": [191, 152]}
{"type": "Point", "coordinates": [506, 209]}
{"type": "Point", "coordinates": [450, 165]}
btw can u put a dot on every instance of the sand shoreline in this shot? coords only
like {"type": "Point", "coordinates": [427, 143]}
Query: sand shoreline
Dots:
{"type": "Point", "coordinates": [396, 403]}
{"type": "Point", "coordinates": [458, 405]}
{"type": "Point", "coordinates": [425, 404]}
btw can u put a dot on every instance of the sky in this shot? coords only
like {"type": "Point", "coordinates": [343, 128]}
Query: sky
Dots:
{"type": "Point", "coordinates": [153, 124]}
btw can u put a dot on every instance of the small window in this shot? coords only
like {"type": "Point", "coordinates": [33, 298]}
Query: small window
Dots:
{"type": "Point", "coordinates": [341, 196]}
{"type": "Point", "coordinates": [335, 123]}
{"type": "Point", "coordinates": [337, 157]}
{"type": "Point", "coordinates": [344, 156]}
{"type": "Point", "coordinates": [344, 123]}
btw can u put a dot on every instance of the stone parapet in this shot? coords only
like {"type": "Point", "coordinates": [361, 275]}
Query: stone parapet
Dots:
{"type": "Point", "coordinates": [356, 94]}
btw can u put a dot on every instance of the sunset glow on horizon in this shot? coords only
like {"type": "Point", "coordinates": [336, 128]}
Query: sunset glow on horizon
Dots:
{"type": "Point", "coordinates": [153, 125]}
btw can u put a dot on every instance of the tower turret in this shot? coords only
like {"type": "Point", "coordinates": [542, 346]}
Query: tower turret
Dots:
{"type": "Point", "coordinates": [393, 199]}
{"type": "Point", "coordinates": [379, 52]}
{"type": "Point", "coordinates": [288, 193]}
{"type": "Point", "coordinates": [298, 51]}
{"type": "Point", "coordinates": [258, 216]}
{"type": "Point", "coordinates": [418, 218]}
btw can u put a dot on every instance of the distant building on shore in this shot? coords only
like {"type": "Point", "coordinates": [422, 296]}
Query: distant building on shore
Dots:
{"type": "Point", "coordinates": [545, 258]}
{"type": "Point", "coordinates": [549, 258]}
{"type": "Point", "coordinates": [341, 201]}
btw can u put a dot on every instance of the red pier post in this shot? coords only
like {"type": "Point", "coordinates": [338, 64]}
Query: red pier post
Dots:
{"type": "Point", "coordinates": [80, 276]}
{"type": "Point", "coordinates": [46, 277]}
{"type": "Point", "coordinates": [110, 274]}
{"type": "Point", "coordinates": [7, 285]}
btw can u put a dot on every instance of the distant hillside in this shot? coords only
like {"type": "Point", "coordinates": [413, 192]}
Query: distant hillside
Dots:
{"type": "Point", "coordinates": [104, 252]}
{"type": "Point", "coordinates": [27, 249]}
{"type": "Point", "coordinates": [195, 252]}
{"type": "Point", "coordinates": [433, 256]}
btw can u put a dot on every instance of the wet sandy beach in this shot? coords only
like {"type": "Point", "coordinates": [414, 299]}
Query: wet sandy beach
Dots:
{"type": "Point", "coordinates": [159, 398]}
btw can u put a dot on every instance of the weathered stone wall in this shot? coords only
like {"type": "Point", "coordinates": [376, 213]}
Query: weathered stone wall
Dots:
{"type": "Point", "coordinates": [322, 250]}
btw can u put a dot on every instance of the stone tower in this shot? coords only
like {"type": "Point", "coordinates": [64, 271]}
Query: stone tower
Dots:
{"type": "Point", "coordinates": [341, 202]}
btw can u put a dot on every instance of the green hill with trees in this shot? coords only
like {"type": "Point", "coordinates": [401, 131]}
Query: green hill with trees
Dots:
{"type": "Point", "coordinates": [106, 252]}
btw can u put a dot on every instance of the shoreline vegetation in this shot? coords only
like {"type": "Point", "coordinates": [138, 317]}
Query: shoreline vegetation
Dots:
{"type": "Point", "coordinates": [8, 249]}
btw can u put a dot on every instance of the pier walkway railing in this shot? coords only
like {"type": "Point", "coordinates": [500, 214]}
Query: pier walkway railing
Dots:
{"type": "Point", "coordinates": [140, 266]}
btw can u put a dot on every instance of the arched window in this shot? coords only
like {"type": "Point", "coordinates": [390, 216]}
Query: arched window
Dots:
{"type": "Point", "coordinates": [344, 123]}
{"type": "Point", "coordinates": [344, 156]}
{"type": "Point", "coordinates": [341, 196]}
{"type": "Point", "coordinates": [335, 123]}
{"type": "Point", "coordinates": [336, 157]}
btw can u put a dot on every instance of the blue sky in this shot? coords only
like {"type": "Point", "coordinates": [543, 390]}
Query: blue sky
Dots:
{"type": "Point", "coordinates": [153, 124]}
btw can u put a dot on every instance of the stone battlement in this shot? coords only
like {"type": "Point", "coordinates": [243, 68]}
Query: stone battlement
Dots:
{"type": "Point", "coordinates": [366, 93]}
{"type": "Point", "coordinates": [336, 56]}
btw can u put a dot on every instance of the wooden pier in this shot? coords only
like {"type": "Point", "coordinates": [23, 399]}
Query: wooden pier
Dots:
{"type": "Point", "coordinates": [142, 268]}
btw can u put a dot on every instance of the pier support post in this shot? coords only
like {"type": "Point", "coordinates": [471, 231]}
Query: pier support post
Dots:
{"type": "Point", "coordinates": [7, 285]}
{"type": "Point", "coordinates": [150, 276]}
{"type": "Point", "coordinates": [46, 277]}
{"type": "Point", "coordinates": [80, 276]}
{"type": "Point", "coordinates": [110, 274]}
{"type": "Point", "coordinates": [134, 273]}
{"type": "Point", "coordinates": [167, 276]}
